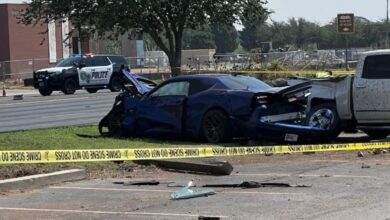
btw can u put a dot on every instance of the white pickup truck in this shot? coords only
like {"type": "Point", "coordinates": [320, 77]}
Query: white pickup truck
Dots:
{"type": "Point", "coordinates": [354, 102]}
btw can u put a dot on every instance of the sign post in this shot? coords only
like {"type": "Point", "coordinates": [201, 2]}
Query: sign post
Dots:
{"type": "Point", "coordinates": [346, 25]}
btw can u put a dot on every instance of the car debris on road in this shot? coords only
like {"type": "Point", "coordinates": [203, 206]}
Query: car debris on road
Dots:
{"type": "Point", "coordinates": [252, 184]}
{"type": "Point", "coordinates": [187, 193]}
{"type": "Point", "coordinates": [213, 166]}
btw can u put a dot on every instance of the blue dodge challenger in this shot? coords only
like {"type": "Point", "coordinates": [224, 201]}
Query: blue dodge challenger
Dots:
{"type": "Point", "coordinates": [211, 107]}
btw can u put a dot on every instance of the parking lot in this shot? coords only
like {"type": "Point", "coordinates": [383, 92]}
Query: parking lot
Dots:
{"type": "Point", "coordinates": [344, 187]}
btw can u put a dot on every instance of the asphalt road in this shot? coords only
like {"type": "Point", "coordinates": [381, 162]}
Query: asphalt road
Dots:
{"type": "Point", "coordinates": [36, 111]}
{"type": "Point", "coordinates": [340, 189]}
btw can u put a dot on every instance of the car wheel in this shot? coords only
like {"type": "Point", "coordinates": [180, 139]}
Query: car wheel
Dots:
{"type": "Point", "coordinates": [45, 91]}
{"type": "Point", "coordinates": [325, 116]}
{"type": "Point", "coordinates": [91, 90]}
{"type": "Point", "coordinates": [115, 84]}
{"type": "Point", "coordinates": [214, 126]}
{"type": "Point", "coordinates": [69, 87]}
{"type": "Point", "coordinates": [377, 134]}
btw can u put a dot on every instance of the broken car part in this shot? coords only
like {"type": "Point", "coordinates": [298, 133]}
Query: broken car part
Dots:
{"type": "Point", "coordinates": [187, 193]}
{"type": "Point", "coordinates": [212, 166]}
{"type": "Point", "coordinates": [252, 184]}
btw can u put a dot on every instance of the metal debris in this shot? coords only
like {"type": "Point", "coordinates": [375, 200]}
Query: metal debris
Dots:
{"type": "Point", "coordinates": [252, 184]}
{"type": "Point", "coordinates": [138, 183]}
{"type": "Point", "coordinates": [213, 166]}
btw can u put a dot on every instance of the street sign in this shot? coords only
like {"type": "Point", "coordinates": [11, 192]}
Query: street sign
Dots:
{"type": "Point", "coordinates": [346, 23]}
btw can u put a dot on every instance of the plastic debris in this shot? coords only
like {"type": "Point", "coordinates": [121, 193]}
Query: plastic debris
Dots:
{"type": "Point", "coordinates": [187, 193]}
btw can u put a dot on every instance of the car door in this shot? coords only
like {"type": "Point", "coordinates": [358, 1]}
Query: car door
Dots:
{"type": "Point", "coordinates": [85, 71]}
{"type": "Point", "coordinates": [161, 112]}
{"type": "Point", "coordinates": [371, 89]}
{"type": "Point", "coordinates": [102, 71]}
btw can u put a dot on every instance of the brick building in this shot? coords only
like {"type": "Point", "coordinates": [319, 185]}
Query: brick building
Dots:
{"type": "Point", "coordinates": [27, 48]}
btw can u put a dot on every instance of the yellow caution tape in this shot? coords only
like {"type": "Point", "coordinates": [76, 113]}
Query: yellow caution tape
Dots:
{"type": "Point", "coordinates": [93, 155]}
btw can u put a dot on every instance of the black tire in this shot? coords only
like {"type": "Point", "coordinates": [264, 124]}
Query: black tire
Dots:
{"type": "Point", "coordinates": [325, 116]}
{"type": "Point", "coordinates": [45, 91]}
{"type": "Point", "coordinates": [69, 87]}
{"type": "Point", "coordinates": [215, 126]}
{"type": "Point", "coordinates": [92, 90]}
{"type": "Point", "coordinates": [377, 134]}
{"type": "Point", "coordinates": [115, 83]}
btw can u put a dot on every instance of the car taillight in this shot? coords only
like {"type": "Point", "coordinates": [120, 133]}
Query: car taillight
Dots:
{"type": "Point", "coordinates": [261, 99]}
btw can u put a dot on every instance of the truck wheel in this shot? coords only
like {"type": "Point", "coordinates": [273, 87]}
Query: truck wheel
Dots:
{"type": "Point", "coordinates": [214, 126]}
{"type": "Point", "coordinates": [377, 134]}
{"type": "Point", "coordinates": [115, 83]}
{"type": "Point", "coordinates": [325, 116]}
{"type": "Point", "coordinates": [91, 90]}
{"type": "Point", "coordinates": [69, 87]}
{"type": "Point", "coordinates": [45, 91]}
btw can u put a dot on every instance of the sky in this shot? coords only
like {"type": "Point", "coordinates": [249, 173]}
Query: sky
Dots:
{"type": "Point", "coordinates": [323, 11]}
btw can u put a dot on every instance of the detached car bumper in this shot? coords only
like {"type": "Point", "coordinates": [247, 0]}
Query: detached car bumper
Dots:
{"type": "Point", "coordinates": [259, 127]}
{"type": "Point", "coordinates": [285, 132]}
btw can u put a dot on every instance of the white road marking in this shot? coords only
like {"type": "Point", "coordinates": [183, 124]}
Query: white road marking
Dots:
{"type": "Point", "coordinates": [168, 191]}
{"type": "Point", "coordinates": [107, 212]}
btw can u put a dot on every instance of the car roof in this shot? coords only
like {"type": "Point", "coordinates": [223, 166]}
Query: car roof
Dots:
{"type": "Point", "coordinates": [201, 76]}
{"type": "Point", "coordinates": [377, 52]}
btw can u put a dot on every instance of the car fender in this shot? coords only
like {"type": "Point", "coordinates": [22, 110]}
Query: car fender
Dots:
{"type": "Point", "coordinates": [197, 106]}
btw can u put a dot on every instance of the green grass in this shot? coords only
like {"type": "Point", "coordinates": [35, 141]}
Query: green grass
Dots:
{"type": "Point", "coordinates": [79, 137]}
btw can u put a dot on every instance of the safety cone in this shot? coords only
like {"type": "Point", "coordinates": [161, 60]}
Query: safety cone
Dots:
{"type": "Point", "coordinates": [4, 92]}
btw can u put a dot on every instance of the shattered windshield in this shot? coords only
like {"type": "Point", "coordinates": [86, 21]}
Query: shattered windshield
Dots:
{"type": "Point", "coordinates": [243, 82]}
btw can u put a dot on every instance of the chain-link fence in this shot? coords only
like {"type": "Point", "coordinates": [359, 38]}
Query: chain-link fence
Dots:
{"type": "Point", "coordinates": [18, 70]}
{"type": "Point", "coordinates": [294, 60]}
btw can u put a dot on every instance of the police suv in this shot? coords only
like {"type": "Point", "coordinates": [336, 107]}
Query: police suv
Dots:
{"type": "Point", "coordinates": [90, 72]}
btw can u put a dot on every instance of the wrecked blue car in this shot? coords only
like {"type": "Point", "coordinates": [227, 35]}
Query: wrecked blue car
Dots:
{"type": "Point", "coordinates": [211, 107]}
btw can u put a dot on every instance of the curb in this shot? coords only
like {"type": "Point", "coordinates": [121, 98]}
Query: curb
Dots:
{"type": "Point", "coordinates": [41, 180]}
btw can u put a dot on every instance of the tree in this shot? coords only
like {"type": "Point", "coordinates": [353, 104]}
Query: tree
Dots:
{"type": "Point", "coordinates": [199, 38]}
{"type": "Point", "coordinates": [158, 18]}
{"type": "Point", "coordinates": [225, 37]}
{"type": "Point", "coordinates": [248, 36]}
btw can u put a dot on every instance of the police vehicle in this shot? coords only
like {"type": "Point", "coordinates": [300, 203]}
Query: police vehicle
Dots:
{"type": "Point", "coordinates": [90, 72]}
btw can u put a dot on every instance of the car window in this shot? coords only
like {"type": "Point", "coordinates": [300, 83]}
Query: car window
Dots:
{"type": "Point", "coordinates": [118, 60]}
{"type": "Point", "coordinates": [198, 85]}
{"type": "Point", "coordinates": [376, 67]}
{"type": "Point", "coordinates": [87, 61]}
{"type": "Point", "coordinates": [174, 88]}
{"type": "Point", "coordinates": [100, 61]}
{"type": "Point", "coordinates": [68, 62]}
{"type": "Point", "coordinates": [243, 82]}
